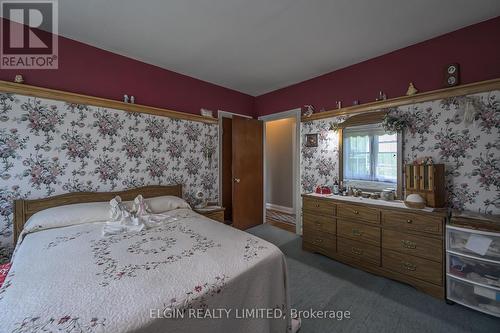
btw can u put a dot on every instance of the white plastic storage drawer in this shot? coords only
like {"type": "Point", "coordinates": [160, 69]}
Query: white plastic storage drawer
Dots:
{"type": "Point", "coordinates": [474, 296]}
{"type": "Point", "coordinates": [480, 244]}
{"type": "Point", "coordinates": [475, 270]}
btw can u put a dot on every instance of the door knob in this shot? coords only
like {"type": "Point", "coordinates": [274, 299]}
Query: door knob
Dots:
{"type": "Point", "coordinates": [236, 180]}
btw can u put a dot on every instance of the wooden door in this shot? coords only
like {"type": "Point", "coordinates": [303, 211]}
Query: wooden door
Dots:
{"type": "Point", "coordinates": [248, 176]}
{"type": "Point", "coordinates": [227, 168]}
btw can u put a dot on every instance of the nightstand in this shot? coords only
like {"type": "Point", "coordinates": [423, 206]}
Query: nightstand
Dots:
{"type": "Point", "coordinates": [215, 213]}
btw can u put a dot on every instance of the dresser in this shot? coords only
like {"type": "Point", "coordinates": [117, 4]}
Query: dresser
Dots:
{"type": "Point", "coordinates": [383, 238]}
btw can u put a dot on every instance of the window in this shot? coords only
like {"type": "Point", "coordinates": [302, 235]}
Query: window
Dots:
{"type": "Point", "coordinates": [370, 157]}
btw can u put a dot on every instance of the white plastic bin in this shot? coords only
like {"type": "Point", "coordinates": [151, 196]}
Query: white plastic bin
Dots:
{"type": "Point", "coordinates": [475, 270]}
{"type": "Point", "coordinates": [474, 243]}
{"type": "Point", "coordinates": [475, 296]}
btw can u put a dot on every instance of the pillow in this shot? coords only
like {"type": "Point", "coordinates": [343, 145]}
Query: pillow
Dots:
{"type": "Point", "coordinates": [166, 203]}
{"type": "Point", "coordinates": [68, 215]}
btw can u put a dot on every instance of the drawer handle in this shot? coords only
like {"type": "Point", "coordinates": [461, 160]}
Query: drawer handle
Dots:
{"type": "Point", "coordinates": [356, 212]}
{"type": "Point", "coordinates": [356, 232]}
{"type": "Point", "coordinates": [409, 221]}
{"type": "Point", "coordinates": [408, 244]}
{"type": "Point", "coordinates": [357, 251]}
{"type": "Point", "coordinates": [409, 266]}
{"type": "Point", "coordinates": [318, 240]}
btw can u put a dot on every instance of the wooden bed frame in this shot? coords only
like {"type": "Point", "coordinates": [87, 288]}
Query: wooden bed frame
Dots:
{"type": "Point", "coordinates": [24, 209]}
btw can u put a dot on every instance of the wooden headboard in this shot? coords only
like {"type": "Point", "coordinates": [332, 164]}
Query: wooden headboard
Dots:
{"type": "Point", "coordinates": [23, 209]}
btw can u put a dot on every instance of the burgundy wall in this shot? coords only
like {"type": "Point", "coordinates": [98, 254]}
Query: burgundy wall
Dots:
{"type": "Point", "coordinates": [88, 70]}
{"type": "Point", "coordinates": [91, 71]}
{"type": "Point", "coordinates": [476, 48]}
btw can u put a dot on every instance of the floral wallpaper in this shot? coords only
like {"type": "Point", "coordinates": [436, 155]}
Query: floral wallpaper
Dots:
{"type": "Point", "coordinates": [440, 129]}
{"type": "Point", "coordinates": [50, 147]}
{"type": "Point", "coordinates": [318, 165]}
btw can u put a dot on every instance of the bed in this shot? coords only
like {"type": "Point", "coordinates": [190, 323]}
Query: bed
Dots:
{"type": "Point", "coordinates": [187, 274]}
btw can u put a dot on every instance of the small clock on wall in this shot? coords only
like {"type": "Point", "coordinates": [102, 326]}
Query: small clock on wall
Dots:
{"type": "Point", "coordinates": [452, 75]}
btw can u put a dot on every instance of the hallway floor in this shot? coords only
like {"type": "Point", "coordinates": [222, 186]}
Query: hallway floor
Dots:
{"type": "Point", "coordinates": [280, 219]}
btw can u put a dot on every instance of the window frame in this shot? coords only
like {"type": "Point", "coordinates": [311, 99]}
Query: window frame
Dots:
{"type": "Point", "coordinates": [373, 119]}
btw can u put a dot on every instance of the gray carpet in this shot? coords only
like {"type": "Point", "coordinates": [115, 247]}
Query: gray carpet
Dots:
{"type": "Point", "coordinates": [376, 304]}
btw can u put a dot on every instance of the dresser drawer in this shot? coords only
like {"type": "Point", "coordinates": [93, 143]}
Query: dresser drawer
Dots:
{"type": "Point", "coordinates": [319, 239]}
{"type": "Point", "coordinates": [319, 223]}
{"type": "Point", "coordinates": [359, 232]}
{"type": "Point", "coordinates": [360, 213]}
{"type": "Point", "coordinates": [428, 248]}
{"type": "Point", "coordinates": [360, 251]}
{"type": "Point", "coordinates": [413, 222]}
{"type": "Point", "coordinates": [419, 268]}
{"type": "Point", "coordinates": [318, 206]}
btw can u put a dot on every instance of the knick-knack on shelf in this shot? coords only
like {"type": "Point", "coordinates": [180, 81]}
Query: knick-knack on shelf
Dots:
{"type": "Point", "coordinates": [381, 96]}
{"type": "Point", "coordinates": [18, 78]}
{"type": "Point", "coordinates": [411, 90]}
{"type": "Point", "coordinates": [307, 110]}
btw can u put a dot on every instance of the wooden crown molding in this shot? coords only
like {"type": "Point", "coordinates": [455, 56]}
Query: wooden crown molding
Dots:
{"type": "Point", "coordinates": [461, 90]}
{"type": "Point", "coordinates": [27, 90]}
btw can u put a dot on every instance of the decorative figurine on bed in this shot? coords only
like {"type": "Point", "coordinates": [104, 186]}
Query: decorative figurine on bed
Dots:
{"type": "Point", "coordinates": [140, 206]}
{"type": "Point", "coordinates": [118, 209]}
{"type": "Point", "coordinates": [121, 219]}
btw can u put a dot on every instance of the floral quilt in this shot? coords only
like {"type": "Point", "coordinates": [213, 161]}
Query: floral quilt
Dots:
{"type": "Point", "coordinates": [162, 279]}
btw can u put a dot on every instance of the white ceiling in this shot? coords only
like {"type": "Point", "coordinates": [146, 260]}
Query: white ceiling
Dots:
{"type": "Point", "coordinates": [256, 46]}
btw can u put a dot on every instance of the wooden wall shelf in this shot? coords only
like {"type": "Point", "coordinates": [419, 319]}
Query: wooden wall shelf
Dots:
{"type": "Point", "coordinates": [461, 90]}
{"type": "Point", "coordinates": [27, 90]}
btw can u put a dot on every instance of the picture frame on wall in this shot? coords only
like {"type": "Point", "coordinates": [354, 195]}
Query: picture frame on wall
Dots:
{"type": "Point", "coordinates": [311, 140]}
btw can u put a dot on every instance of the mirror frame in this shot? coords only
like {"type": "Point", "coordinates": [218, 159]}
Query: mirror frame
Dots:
{"type": "Point", "coordinates": [365, 119]}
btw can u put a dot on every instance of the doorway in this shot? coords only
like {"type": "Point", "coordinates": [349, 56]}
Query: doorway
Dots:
{"type": "Point", "coordinates": [241, 169]}
{"type": "Point", "coordinates": [281, 170]}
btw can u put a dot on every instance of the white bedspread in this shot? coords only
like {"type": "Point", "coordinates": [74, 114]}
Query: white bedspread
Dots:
{"type": "Point", "coordinates": [72, 279]}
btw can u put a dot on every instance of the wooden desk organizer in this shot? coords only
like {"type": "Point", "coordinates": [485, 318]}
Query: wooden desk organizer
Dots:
{"type": "Point", "coordinates": [428, 181]}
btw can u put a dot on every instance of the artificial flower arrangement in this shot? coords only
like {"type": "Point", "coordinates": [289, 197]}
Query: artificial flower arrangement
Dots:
{"type": "Point", "coordinates": [337, 123]}
{"type": "Point", "coordinates": [395, 120]}
{"type": "Point", "coordinates": [335, 126]}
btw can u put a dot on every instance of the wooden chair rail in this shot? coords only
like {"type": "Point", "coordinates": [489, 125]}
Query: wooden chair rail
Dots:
{"type": "Point", "coordinates": [59, 95]}
{"type": "Point", "coordinates": [461, 90]}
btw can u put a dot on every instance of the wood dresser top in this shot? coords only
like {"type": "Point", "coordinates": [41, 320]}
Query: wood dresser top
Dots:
{"type": "Point", "coordinates": [379, 203]}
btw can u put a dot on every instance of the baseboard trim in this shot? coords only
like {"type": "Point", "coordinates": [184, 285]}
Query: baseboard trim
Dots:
{"type": "Point", "coordinates": [283, 209]}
